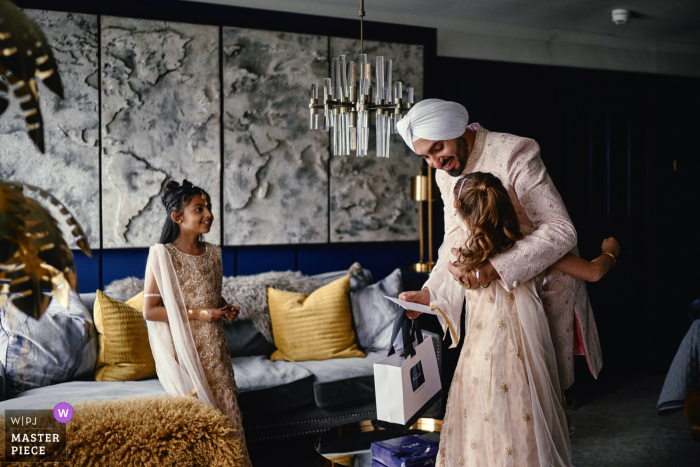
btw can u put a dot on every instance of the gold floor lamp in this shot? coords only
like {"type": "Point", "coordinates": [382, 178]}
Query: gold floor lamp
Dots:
{"type": "Point", "coordinates": [422, 190]}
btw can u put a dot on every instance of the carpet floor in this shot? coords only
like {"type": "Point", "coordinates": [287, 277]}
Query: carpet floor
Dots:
{"type": "Point", "coordinates": [619, 427]}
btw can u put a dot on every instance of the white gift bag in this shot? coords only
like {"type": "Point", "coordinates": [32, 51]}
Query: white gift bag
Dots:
{"type": "Point", "coordinates": [406, 385]}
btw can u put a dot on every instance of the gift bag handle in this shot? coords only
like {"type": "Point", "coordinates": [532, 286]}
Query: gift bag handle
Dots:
{"type": "Point", "coordinates": [410, 330]}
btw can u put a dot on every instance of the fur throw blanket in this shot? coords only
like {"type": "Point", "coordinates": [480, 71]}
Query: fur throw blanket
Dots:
{"type": "Point", "coordinates": [148, 431]}
{"type": "Point", "coordinates": [250, 293]}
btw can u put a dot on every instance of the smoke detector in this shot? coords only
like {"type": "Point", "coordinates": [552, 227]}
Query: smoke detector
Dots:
{"type": "Point", "coordinates": [620, 16]}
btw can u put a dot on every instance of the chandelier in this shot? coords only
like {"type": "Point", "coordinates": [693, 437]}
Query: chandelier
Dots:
{"type": "Point", "coordinates": [349, 97]}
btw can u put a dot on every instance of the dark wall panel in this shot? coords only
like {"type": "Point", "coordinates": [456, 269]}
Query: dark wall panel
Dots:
{"type": "Point", "coordinates": [320, 259]}
{"type": "Point", "coordinates": [123, 262]}
{"type": "Point", "coordinates": [88, 270]}
{"type": "Point", "coordinates": [257, 260]}
{"type": "Point", "coordinates": [381, 259]}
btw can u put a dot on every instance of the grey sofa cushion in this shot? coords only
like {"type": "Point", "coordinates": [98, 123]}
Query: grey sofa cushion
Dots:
{"type": "Point", "coordinates": [244, 339]}
{"type": "Point", "coordinates": [267, 387]}
{"type": "Point", "coordinates": [341, 380]}
{"type": "Point", "coordinates": [373, 314]}
{"type": "Point", "coordinates": [74, 391]}
{"type": "Point", "coordinates": [58, 347]}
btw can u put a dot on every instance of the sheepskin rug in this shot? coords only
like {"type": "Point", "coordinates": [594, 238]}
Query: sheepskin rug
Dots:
{"type": "Point", "coordinates": [148, 431]}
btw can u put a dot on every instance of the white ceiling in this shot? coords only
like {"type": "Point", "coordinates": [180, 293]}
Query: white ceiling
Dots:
{"type": "Point", "coordinates": [661, 35]}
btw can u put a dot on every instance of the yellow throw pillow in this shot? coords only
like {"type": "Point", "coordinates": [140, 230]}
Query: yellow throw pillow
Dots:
{"type": "Point", "coordinates": [136, 301]}
{"type": "Point", "coordinates": [313, 327]}
{"type": "Point", "coordinates": [123, 349]}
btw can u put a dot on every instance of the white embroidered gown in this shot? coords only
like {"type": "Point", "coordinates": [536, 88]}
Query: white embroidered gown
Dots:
{"type": "Point", "coordinates": [504, 406]}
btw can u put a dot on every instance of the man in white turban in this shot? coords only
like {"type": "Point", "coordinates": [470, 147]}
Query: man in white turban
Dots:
{"type": "Point", "coordinates": [440, 133]}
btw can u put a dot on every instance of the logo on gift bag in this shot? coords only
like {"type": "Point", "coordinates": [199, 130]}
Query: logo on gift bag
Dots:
{"type": "Point", "coordinates": [417, 377]}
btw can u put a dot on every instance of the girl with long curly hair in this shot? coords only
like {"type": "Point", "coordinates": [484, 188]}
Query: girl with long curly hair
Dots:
{"type": "Point", "coordinates": [505, 405]}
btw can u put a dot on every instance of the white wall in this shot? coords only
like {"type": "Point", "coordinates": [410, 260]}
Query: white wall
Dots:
{"type": "Point", "coordinates": [510, 43]}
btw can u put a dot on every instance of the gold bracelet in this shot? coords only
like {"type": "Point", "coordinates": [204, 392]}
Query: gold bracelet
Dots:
{"type": "Point", "coordinates": [612, 257]}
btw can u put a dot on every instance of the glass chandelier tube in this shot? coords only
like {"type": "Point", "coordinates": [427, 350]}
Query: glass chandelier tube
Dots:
{"type": "Point", "coordinates": [349, 97]}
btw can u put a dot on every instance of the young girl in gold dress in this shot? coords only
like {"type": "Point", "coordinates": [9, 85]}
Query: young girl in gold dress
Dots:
{"type": "Point", "coordinates": [183, 306]}
{"type": "Point", "coordinates": [504, 406]}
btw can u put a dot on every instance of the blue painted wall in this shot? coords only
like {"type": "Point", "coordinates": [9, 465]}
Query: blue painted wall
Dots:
{"type": "Point", "coordinates": [381, 258]}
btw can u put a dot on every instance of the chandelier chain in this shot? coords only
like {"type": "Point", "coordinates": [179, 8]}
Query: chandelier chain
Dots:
{"type": "Point", "coordinates": [362, 16]}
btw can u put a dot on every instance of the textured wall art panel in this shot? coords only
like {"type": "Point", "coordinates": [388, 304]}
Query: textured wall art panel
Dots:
{"type": "Point", "coordinates": [69, 169]}
{"type": "Point", "coordinates": [275, 168]}
{"type": "Point", "coordinates": [160, 122]}
{"type": "Point", "coordinates": [371, 197]}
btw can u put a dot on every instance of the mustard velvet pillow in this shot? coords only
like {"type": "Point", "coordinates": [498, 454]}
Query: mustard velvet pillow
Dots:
{"type": "Point", "coordinates": [313, 327]}
{"type": "Point", "coordinates": [123, 349]}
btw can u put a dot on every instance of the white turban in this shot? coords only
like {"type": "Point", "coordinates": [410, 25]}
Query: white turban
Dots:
{"type": "Point", "coordinates": [434, 120]}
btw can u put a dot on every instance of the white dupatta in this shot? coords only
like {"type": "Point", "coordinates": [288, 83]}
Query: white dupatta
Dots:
{"type": "Point", "coordinates": [183, 375]}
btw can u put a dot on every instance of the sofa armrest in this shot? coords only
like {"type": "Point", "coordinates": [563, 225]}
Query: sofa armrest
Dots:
{"type": "Point", "coordinates": [2, 382]}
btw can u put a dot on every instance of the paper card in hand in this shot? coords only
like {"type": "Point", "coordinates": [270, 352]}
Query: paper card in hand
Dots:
{"type": "Point", "coordinates": [413, 306]}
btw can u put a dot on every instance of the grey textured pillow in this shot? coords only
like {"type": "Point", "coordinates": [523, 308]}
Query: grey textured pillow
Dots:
{"type": "Point", "coordinates": [373, 314]}
{"type": "Point", "coordinates": [58, 347]}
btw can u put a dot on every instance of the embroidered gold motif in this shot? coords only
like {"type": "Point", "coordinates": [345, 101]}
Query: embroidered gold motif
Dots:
{"type": "Point", "coordinates": [465, 413]}
{"type": "Point", "coordinates": [518, 355]}
{"type": "Point", "coordinates": [469, 296]}
{"type": "Point", "coordinates": [509, 451]}
{"type": "Point", "coordinates": [487, 356]}
{"type": "Point", "coordinates": [504, 388]}
{"type": "Point", "coordinates": [490, 299]}
{"type": "Point", "coordinates": [526, 418]}
{"type": "Point", "coordinates": [454, 378]}
{"type": "Point", "coordinates": [460, 461]}
{"type": "Point", "coordinates": [501, 324]}
{"type": "Point", "coordinates": [472, 444]}
{"type": "Point", "coordinates": [475, 380]}
{"type": "Point", "coordinates": [485, 417]}
{"type": "Point", "coordinates": [479, 326]}
{"type": "Point", "coordinates": [511, 297]}
{"type": "Point", "coordinates": [468, 352]}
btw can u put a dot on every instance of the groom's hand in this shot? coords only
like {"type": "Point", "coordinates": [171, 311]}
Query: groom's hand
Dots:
{"type": "Point", "coordinates": [487, 273]}
{"type": "Point", "coordinates": [420, 296]}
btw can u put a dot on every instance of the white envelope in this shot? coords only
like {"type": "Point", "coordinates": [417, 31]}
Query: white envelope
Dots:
{"type": "Point", "coordinates": [413, 306]}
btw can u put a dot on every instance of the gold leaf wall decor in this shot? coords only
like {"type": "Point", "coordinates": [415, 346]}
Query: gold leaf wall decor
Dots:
{"type": "Point", "coordinates": [37, 257]}
{"type": "Point", "coordinates": [24, 56]}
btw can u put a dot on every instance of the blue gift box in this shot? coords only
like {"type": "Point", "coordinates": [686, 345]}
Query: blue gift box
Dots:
{"type": "Point", "coordinates": [407, 451]}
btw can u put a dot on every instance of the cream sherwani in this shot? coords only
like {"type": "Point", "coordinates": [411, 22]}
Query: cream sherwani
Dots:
{"type": "Point", "coordinates": [549, 235]}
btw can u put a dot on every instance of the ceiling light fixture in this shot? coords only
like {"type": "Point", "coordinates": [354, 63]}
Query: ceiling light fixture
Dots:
{"type": "Point", "coordinates": [347, 104]}
{"type": "Point", "coordinates": [620, 16]}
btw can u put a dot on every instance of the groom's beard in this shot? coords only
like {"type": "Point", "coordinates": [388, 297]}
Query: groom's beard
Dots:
{"type": "Point", "coordinates": [461, 154]}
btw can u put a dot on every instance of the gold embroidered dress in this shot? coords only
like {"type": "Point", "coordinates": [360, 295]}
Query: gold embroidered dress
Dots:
{"type": "Point", "coordinates": [503, 407]}
{"type": "Point", "coordinates": [200, 279]}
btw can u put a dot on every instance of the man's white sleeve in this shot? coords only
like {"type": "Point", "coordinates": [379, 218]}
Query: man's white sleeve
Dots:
{"type": "Point", "coordinates": [554, 233]}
